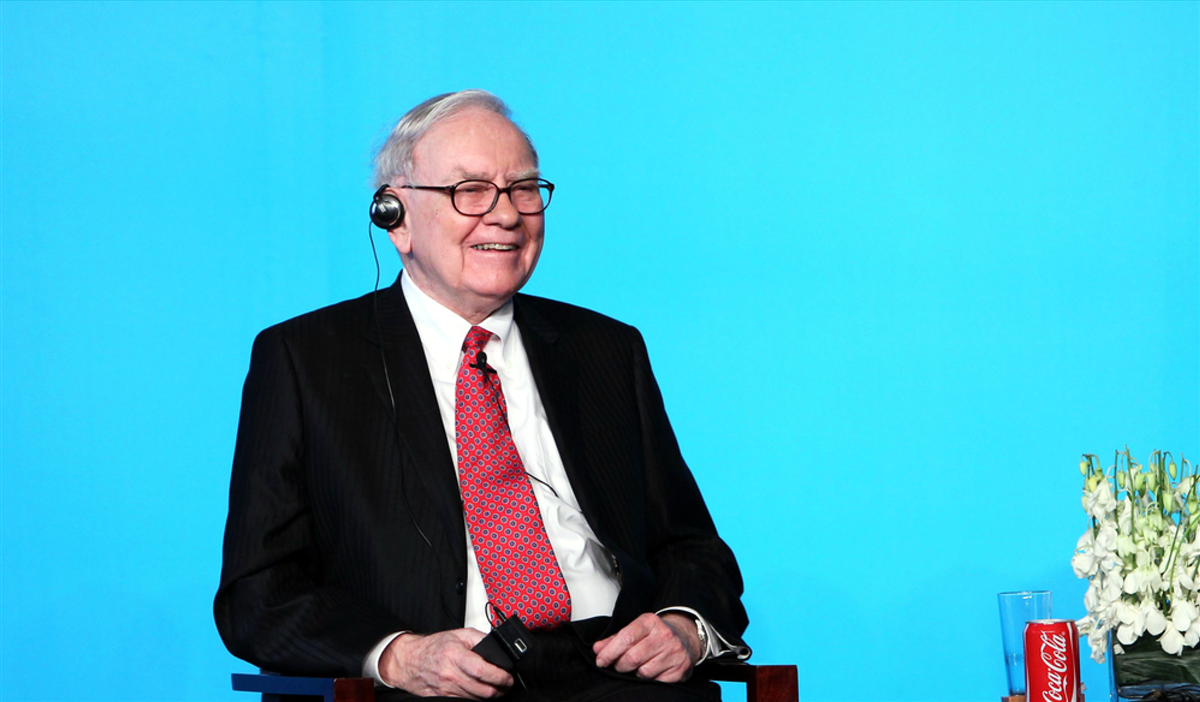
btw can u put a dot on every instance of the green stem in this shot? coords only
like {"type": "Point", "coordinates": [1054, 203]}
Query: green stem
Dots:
{"type": "Point", "coordinates": [1196, 570]}
{"type": "Point", "coordinates": [1164, 483]}
{"type": "Point", "coordinates": [1169, 565]}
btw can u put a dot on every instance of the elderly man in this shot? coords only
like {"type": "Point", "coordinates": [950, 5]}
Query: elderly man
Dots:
{"type": "Point", "coordinates": [417, 464]}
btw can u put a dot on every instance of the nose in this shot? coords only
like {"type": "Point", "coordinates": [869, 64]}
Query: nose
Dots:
{"type": "Point", "coordinates": [504, 214]}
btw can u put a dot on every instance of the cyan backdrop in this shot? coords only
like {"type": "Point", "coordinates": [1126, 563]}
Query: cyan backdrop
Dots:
{"type": "Point", "coordinates": [897, 264]}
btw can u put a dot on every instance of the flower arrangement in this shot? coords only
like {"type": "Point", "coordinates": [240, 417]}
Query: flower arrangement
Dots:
{"type": "Point", "coordinates": [1141, 554]}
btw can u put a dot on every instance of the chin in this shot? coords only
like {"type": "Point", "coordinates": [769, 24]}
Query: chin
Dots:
{"type": "Point", "coordinates": [501, 290]}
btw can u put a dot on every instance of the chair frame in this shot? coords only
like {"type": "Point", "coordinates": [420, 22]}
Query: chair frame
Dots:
{"type": "Point", "coordinates": [764, 683]}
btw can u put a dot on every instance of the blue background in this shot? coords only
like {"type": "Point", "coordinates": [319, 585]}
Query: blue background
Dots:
{"type": "Point", "coordinates": [898, 265]}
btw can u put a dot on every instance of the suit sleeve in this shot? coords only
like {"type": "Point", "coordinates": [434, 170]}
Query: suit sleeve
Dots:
{"type": "Point", "coordinates": [692, 565]}
{"type": "Point", "coordinates": [273, 607]}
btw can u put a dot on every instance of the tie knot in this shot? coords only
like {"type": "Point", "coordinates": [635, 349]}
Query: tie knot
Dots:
{"type": "Point", "coordinates": [476, 339]}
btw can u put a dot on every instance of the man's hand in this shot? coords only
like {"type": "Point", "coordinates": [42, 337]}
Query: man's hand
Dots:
{"type": "Point", "coordinates": [663, 648]}
{"type": "Point", "coordinates": [442, 665]}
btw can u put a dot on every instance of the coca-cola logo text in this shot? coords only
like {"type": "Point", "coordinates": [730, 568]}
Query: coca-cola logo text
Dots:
{"type": "Point", "coordinates": [1054, 650]}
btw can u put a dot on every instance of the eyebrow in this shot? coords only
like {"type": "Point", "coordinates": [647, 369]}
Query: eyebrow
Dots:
{"type": "Point", "coordinates": [512, 177]}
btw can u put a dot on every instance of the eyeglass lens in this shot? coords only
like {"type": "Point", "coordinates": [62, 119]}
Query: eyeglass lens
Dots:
{"type": "Point", "coordinates": [477, 197]}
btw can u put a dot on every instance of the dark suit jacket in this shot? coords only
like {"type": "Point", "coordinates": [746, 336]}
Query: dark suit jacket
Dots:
{"type": "Point", "coordinates": [345, 522]}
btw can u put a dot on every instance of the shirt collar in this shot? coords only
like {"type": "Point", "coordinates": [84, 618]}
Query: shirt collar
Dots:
{"type": "Point", "coordinates": [442, 330]}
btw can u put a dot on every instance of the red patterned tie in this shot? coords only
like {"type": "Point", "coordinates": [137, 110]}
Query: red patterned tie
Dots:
{"type": "Point", "coordinates": [520, 573]}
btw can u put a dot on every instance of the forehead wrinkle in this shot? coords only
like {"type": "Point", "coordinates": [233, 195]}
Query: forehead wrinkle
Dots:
{"type": "Point", "coordinates": [462, 172]}
{"type": "Point", "coordinates": [465, 174]}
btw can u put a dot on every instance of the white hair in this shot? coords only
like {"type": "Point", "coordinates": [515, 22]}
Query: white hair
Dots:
{"type": "Point", "coordinates": [394, 160]}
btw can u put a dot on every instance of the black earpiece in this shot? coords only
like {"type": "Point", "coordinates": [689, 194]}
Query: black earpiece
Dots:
{"type": "Point", "coordinates": [387, 212]}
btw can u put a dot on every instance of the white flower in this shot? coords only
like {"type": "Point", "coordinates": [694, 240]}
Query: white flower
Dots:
{"type": "Point", "coordinates": [1098, 641]}
{"type": "Point", "coordinates": [1106, 541]}
{"type": "Point", "coordinates": [1172, 642]}
{"type": "Point", "coordinates": [1127, 634]}
{"type": "Point", "coordinates": [1099, 503]}
{"type": "Point", "coordinates": [1084, 564]}
{"type": "Point", "coordinates": [1096, 550]}
{"type": "Point", "coordinates": [1125, 546]}
{"type": "Point", "coordinates": [1091, 600]}
{"type": "Point", "coordinates": [1084, 560]}
{"type": "Point", "coordinates": [1111, 590]}
{"type": "Point", "coordinates": [1133, 582]}
{"type": "Point", "coordinates": [1183, 575]}
{"type": "Point", "coordinates": [1156, 623]}
{"type": "Point", "coordinates": [1191, 637]}
{"type": "Point", "coordinates": [1125, 515]}
{"type": "Point", "coordinates": [1126, 613]}
{"type": "Point", "coordinates": [1154, 521]}
{"type": "Point", "coordinates": [1183, 613]}
{"type": "Point", "coordinates": [1145, 578]}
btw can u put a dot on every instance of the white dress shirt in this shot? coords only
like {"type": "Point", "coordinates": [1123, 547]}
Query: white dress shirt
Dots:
{"type": "Point", "coordinates": [587, 566]}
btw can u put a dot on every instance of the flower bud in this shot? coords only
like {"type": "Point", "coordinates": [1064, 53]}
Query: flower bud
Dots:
{"type": "Point", "coordinates": [1173, 470]}
{"type": "Point", "coordinates": [1083, 466]}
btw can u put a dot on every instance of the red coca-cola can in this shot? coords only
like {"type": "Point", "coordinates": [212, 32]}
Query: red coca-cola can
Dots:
{"type": "Point", "coordinates": [1052, 661]}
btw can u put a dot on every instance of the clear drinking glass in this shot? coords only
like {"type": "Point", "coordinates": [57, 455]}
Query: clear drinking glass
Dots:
{"type": "Point", "coordinates": [1017, 608]}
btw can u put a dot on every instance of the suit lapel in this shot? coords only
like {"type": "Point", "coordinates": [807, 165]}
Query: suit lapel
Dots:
{"type": "Point", "coordinates": [556, 374]}
{"type": "Point", "coordinates": [418, 421]}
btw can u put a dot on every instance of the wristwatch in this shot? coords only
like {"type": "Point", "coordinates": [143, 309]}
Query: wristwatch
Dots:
{"type": "Point", "coordinates": [702, 632]}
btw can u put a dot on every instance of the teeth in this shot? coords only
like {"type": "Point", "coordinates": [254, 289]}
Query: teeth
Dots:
{"type": "Point", "coordinates": [494, 247]}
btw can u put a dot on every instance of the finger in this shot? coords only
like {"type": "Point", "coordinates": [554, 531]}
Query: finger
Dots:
{"type": "Point", "coordinates": [660, 649]}
{"type": "Point", "coordinates": [654, 668]}
{"type": "Point", "coordinates": [474, 689]}
{"type": "Point", "coordinates": [479, 669]}
{"type": "Point", "coordinates": [614, 647]}
{"type": "Point", "coordinates": [458, 682]}
{"type": "Point", "coordinates": [637, 655]}
{"type": "Point", "coordinates": [674, 674]}
{"type": "Point", "coordinates": [672, 666]}
{"type": "Point", "coordinates": [654, 644]}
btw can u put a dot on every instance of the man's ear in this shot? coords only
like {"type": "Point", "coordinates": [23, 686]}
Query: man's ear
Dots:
{"type": "Point", "coordinates": [401, 237]}
{"type": "Point", "coordinates": [400, 233]}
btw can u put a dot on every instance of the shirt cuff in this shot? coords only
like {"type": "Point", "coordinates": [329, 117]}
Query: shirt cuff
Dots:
{"type": "Point", "coordinates": [370, 668]}
{"type": "Point", "coordinates": [718, 645]}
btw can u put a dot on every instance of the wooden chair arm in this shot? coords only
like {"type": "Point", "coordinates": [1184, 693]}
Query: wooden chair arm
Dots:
{"type": "Point", "coordinates": [764, 683]}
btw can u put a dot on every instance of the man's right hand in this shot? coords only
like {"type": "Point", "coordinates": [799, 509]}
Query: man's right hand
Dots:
{"type": "Point", "coordinates": [442, 665]}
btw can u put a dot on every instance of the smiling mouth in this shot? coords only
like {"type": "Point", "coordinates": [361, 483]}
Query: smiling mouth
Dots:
{"type": "Point", "coordinates": [494, 247]}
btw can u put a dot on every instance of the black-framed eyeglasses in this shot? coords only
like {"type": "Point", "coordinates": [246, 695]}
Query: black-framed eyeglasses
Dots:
{"type": "Point", "coordinates": [475, 198]}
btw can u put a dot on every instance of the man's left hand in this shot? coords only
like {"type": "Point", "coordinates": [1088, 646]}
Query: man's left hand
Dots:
{"type": "Point", "coordinates": [659, 647]}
